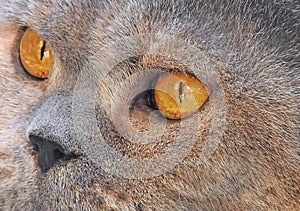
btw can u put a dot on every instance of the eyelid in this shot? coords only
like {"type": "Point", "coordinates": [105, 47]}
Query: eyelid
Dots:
{"type": "Point", "coordinates": [16, 56]}
{"type": "Point", "coordinates": [163, 64]}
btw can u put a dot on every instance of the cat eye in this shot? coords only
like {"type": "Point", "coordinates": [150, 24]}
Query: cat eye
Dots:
{"type": "Point", "coordinates": [178, 95]}
{"type": "Point", "coordinates": [35, 54]}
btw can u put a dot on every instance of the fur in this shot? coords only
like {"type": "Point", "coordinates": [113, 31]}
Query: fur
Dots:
{"type": "Point", "coordinates": [252, 46]}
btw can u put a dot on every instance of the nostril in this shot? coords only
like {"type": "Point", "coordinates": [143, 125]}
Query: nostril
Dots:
{"type": "Point", "coordinates": [49, 152]}
{"type": "Point", "coordinates": [58, 155]}
{"type": "Point", "coordinates": [35, 147]}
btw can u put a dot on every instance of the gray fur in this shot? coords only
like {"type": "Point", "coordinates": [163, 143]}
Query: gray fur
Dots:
{"type": "Point", "coordinates": [253, 45]}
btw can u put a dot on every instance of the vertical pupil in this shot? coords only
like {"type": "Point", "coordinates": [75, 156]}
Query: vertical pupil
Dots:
{"type": "Point", "coordinates": [43, 50]}
{"type": "Point", "coordinates": [181, 96]}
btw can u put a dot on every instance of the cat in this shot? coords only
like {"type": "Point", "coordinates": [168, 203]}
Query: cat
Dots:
{"type": "Point", "coordinates": [92, 136]}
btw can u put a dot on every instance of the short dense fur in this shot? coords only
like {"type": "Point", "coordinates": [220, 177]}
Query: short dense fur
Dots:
{"type": "Point", "coordinates": [253, 45]}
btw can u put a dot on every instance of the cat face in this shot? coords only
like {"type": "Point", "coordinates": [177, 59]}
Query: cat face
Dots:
{"type": "Point", "coordinates": [150, 105]}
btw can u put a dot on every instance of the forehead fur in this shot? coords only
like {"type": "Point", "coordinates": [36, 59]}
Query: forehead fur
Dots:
{"type": "Point", "coordinates": [254, 47]}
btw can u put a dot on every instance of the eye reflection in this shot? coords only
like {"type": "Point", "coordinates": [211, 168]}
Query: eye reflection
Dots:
{"type": "Point", "coordinates": [178, 95]}
{"type": "Point", "coordinates": [175, 95]}
{"type": "Point", "coordinates": [35, 54]}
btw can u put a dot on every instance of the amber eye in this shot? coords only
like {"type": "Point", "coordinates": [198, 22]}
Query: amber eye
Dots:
{"type": "Point", "coordinates": [178, 95]}
{"type": "Point", "coordinates": [35, 54]}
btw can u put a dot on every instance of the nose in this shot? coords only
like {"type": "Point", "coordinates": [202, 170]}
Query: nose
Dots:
{"type": "Point", "coordinates": [49, 152]}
